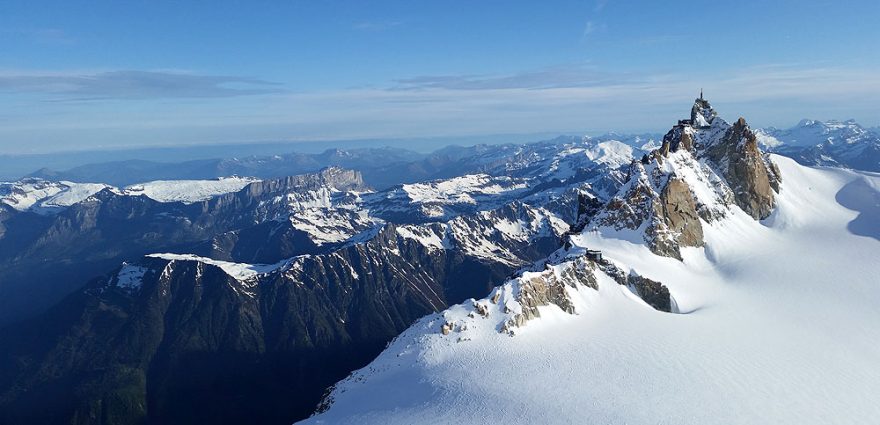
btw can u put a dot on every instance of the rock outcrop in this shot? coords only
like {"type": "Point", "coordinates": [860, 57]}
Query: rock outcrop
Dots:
{"type": "Point", "coordinates": [661, 204]}
{"type": "Point", "coordinates": [652, 292]}
{"type": "Point", "coordinates": [549, 288]}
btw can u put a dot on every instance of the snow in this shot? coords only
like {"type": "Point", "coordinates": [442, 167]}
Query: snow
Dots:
{"type": "Point", "coordinates": [611, 153]}
{"type": "Point", "coordinates": [461, 189]}
{"type": "Point", "coordinates": [325, 225]}
{"type": "Point", "coordinates": [238, 271]}
{"type": "Point", "coordinates": [45, 197]}
{"type": "Point", "coordinates": [130, 276]}
{"type": "Point", "coordinates": [767, 140]}
{"type": "Point", "coordinates": [188, 191]}
{"type": "Point", "coordinates": [425, 235]}
{"type": "Point", "coordinates": [813, 132]}
{"type": "Point", "coordinates": [779, 326]}
{"type": "Point", "coordinates": [701, 121]}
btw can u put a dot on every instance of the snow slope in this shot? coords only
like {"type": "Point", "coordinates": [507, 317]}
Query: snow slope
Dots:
{"type": "Point", "coordinates": [778, 325]}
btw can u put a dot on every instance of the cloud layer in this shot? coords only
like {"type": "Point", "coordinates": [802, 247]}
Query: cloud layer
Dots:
{"type": "Point", "coordinates": [134, 85]}
{"type": "Point", "coordinates": [565, 99]}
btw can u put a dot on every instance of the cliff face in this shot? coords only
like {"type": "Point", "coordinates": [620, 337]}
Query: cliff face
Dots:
{"type": "Point", "coordinates": [680, 213]}
{"type": "Point", "coordinates": [753, 178]}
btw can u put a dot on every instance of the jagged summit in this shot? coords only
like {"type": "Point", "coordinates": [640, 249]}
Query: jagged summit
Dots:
{"type": "Point", "coordinates": [697, 174]}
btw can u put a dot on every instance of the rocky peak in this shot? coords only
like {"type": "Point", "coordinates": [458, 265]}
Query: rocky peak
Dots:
{"type": "Point", "coordinates": [702, 113]}
{"type": "Point", "coordinates": [703, 166]}
{"type": "Point", "coordinates": [733, 153]}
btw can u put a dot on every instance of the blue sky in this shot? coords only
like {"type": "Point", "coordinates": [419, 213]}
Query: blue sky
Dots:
{"type": "Point", "coordinates": [83, 75]}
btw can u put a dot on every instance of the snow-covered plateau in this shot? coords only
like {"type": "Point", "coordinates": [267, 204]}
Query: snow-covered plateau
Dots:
{"type": "Point", "coordinates": [776, 322]}
{"type": "Point", "coordinates": [48, 197]}
{"type": "Point", "coordinates": [188, 190]}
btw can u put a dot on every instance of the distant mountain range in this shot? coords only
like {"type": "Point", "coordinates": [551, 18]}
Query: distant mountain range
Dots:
{"type": "Point", "coordinates": [811, 142]}
{"type": "Point", "coordinates": [381, 167]}
{"type": "Point", "coordinates": [831, 143]}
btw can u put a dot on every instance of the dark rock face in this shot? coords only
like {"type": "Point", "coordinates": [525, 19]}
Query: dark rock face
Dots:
{"type": "Point", "coordinates": [652, 292]}
{"type": "Point", "coordinates": [745, 169]}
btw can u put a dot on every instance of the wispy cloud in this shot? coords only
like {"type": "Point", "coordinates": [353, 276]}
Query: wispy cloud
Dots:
{"type": "Point", "coordinates": [589, 28]}
{"type": "Point", "coordinates": [592, 27]}
{"type": "Point", "coordinates": [133, 85]}
{"type": "Point", "coordinates": [554, 77]}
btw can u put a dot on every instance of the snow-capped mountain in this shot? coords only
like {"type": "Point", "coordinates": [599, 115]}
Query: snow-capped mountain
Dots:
{"type": "Point", "coordinates": [830, 143]}
{"type": "Point", "coordinates": [706, 291]}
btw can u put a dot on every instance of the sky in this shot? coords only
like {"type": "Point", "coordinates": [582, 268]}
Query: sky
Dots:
{"type": "Point", "coordinates": [93, 75]}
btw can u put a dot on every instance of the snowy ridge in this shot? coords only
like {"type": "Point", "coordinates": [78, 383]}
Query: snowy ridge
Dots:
{"type": "Point", "coordinates": [45, 197]}
{"type": "Point", "coordinates": [426, 235]}
{"type": "Point", "coordinates": [812, 132]}
{"type": "Point", "coordinates": [490, 235]}
{"type": "Point", "coordinates": [620, 354]}
{"type": "Point", "coordinates": [239, 271]}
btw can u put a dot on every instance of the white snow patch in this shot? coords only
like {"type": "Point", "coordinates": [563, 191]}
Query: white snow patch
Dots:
{"type": "Point", "coordinates": [188, 191]}
{"type": "Point", "coordinates": [130, 276]}
{"type": "Point", "coordinates": [424, 235]}
{"type": "Point", "coordinates": [239, 271]}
